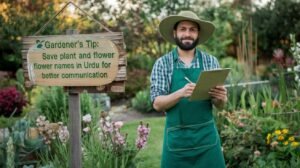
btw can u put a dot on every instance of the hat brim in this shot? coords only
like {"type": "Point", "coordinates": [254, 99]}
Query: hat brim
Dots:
{"type": "Point", "coordinates": [166, 28]}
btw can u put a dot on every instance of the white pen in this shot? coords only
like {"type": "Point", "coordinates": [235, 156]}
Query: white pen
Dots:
{"type": "Point", "coordinates": [188, 79]}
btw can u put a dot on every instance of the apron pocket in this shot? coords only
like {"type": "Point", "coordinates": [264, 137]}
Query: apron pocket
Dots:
{"type": "Point", "coordinates": [189, 137]}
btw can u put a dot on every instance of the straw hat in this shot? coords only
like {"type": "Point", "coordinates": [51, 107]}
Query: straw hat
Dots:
{"type": "Point", "coordinates": [166, 26]}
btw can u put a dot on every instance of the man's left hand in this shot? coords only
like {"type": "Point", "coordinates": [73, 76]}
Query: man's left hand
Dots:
{"type": "Point", "coordinates": [219, 96]}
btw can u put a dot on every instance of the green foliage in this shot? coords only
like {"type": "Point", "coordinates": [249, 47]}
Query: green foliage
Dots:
{"type": "Point", "coordinates": [283, 149]}
{"type": "Point", "coordinates": [57, 157]}
{"type": "Point", "coordinates": [137, 79]}
{"type": "Point", "coordinates": [143, 62]}
{"type": "Point", "coordinates": [242, 134]}
{"type": "Point", "coordinates": [10, 161]}
{"type": "Point", "coordinates": [151, 156]}
{"type": "Point", "coordinates": [24, 146]}
{"type": "Point", "coordinates": [236, 72]}
{"type": "Point", "coordinates": [276, 13]}
{"type": "Point", "coordinates": [14, 19]}
{"type": "Point", "coordinates": [142, 102]}
{"type": "Point", "coordinates": [53, 103]}
{"type": "Point", "coordinates": [227, 23]}
{"type": "Point", "coordinates": [88, 104]}
{"type": "Point", "coordinates": [97, 156]}
{"type": "Point", "coordinates": [20, 80]}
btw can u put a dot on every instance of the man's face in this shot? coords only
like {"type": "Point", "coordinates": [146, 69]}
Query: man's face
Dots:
{"type": "Point", "coordinates": [186, 35]}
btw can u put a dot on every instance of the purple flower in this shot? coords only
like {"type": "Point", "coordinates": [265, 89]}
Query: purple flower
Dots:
{"type": "Point", "coordinates": [142, 138]}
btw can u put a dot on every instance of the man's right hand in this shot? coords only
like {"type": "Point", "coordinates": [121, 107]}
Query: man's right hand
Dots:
{"type": "Point", "coordinates": [187, 90]}
{"type": "Point", "coordinates": [164, 102]}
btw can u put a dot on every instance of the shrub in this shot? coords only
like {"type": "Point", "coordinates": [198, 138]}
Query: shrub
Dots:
{"type": "Point", "coordinates": [243, 137]}
{"type": "Point", "coordinates": [53, 103]}
{"type": "Point", "coordinates": [142, 102]}
{"type": "Point", "coordinates": [11, 102]}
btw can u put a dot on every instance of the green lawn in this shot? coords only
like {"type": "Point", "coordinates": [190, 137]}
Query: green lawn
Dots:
{"type": "Point", "coordinates": [151, 155]}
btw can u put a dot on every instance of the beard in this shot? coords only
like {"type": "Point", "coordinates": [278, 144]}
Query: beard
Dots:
{"type": "Point", "coordinates": [186, 46]}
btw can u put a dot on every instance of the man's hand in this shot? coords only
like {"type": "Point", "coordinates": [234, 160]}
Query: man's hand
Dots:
{"type": "Point", "coordinates": [219, 96]}
{"type": "Point", "coordinates": [164, 102]}
{"type": "Point", "coordinates": [187, 90]}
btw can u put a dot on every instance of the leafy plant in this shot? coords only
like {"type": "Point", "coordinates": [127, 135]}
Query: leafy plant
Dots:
{"type": "Point", "coordinates": [269, 16]}
{"type": "Point", "coordinates": [53, 103]}
{"type": "Point", "coordinates": [142, 102]}
{"type": "Point", "coordinates": [11, 102]}
{"type": "Point", "coordinates": [243, 135]}
{"type": "Point", "coordinates": [24, 147]}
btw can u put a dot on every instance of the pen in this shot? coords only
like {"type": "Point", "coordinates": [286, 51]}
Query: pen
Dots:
{"type": "Point", "coordinates": [188, 79]}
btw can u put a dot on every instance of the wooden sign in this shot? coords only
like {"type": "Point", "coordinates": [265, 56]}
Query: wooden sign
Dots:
{"type": "Point", "coordinates": [76, 60]}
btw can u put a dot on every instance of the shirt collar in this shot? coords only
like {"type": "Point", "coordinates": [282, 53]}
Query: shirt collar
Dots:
{"type": "Point", "coordinates": [176, 55]}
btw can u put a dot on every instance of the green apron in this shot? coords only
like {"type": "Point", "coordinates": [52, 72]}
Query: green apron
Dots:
{"type": "Point", "coordinates": [191, 139]}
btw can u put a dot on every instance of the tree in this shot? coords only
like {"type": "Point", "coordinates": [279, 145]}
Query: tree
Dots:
{"type": "Point", "coordinates": [24, 18]}
{"type": "Point", "coordinates": [274, 23]}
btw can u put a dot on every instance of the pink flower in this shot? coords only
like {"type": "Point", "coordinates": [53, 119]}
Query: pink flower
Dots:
{"type": "Point", "coordinates": [143, 132]}
{"type": "Point", "coordinates": [257, 153]}
{"type": "Point", "coordinates": [118, 124]}
{"type": "Point", "coordinates": [289, 61]}
{"type": "Point", "coordinates": [240, 124]}
{"type": "Point", "coordinates": [278, 54]}
{"type": "Point", "coordinates": [119, 139]}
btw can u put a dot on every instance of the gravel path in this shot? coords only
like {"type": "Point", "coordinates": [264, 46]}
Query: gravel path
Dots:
{"type": "Point", "coordinates": [121, 112]}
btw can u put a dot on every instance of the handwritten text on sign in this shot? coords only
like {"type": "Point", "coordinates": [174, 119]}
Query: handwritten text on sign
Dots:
{"type": "Point", "coordinates": [72, 61]}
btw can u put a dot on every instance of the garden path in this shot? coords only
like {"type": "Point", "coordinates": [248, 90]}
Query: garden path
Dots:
{"type": "Point", "coordinates": [120, 111]}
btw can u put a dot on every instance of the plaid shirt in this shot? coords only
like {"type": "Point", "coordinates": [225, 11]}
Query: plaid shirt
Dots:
{"type": "Point", "coordinates": [162, 71]}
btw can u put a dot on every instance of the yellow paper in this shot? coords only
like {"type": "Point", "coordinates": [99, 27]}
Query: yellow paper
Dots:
{"type": "Point", "coordinates": [208, 80]}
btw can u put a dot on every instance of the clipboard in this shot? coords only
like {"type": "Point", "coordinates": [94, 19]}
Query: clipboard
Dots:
{"type": "Point", "coordinates": [206, 81]}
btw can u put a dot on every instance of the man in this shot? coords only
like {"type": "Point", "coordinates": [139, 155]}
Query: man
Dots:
{"type": "Point", "coordinates": [191, 139]}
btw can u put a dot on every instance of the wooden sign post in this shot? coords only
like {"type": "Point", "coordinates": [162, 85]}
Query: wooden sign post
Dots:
{"type": "Point", "coordinates": [92, 62]}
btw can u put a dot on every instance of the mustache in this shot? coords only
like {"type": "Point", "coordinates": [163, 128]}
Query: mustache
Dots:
{"type": "Point", "coordinates": [187, 38]}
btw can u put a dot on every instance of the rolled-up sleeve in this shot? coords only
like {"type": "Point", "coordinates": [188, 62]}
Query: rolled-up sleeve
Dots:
{"type": "Point", "coordinates": [159, 79]}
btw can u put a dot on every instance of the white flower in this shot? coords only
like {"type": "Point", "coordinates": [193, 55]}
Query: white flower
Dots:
{"type": "Point", "coordinates": [107, 118]}
{"type": "Point", "coordinates": [63, 134]}
{"type": "Point", "coordinates": [87, 118]}
{"type": "Point", "coordinates": [86, 129]}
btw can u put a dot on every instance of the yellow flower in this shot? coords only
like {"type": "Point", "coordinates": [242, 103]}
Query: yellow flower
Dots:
{"type": "Point", "coordinates": [280, 138]}
{"type": "Point", "coordinates": [268, 138]}
{"type": "Point", "coordinates": [295, 144]}
{"type": "Point", "coordinates": [285, 142]}
{"type": "Point", "coordinates": [277, 132]}
{"type": "Point", "coordinates": [285, 131]}
{"type": "Point", "coordinates": [291, 138]}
